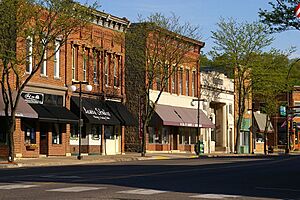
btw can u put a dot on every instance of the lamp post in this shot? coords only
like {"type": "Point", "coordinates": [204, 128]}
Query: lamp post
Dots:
{"type": "Point", "coordinates": [74, 88]}
{"type": "Point", "coordinates": [198, 112]}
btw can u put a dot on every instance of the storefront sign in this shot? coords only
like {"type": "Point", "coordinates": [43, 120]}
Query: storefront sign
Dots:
{"type": "Point", "coordinates": [97, 113]}
{"type": "Point", "coordinates": [34, 98]}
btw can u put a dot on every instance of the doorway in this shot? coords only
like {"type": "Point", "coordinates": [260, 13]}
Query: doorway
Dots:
{"type": "Point", "coordinates": [44, 138]}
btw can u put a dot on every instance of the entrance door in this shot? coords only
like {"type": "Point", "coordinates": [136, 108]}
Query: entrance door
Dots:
{"type": "Point", "coordinates": [43, 139]}
{"type": "Point", "coordinates": [110, 140]}
{"type": "Point", "coordinates": [175, 141]}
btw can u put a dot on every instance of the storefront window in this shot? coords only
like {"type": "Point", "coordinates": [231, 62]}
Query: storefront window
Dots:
{"type": "Point", "coordinates": [165, 135]}
{"type": "Point", "coordinates": [181, 135]}
{"type": "Point", "coordinates": [74, 130]}
{"type": "Point", "coordinates": [96, 132]}
{"type": "Point", "coordinates": [155, 136]}
{"type": "Point", "coordinates": [2, 131]}
{"type": "Point", "coordinates": [109, 132]}
{"type": "Point", "coordinates": [29, 133]}
{"type": "Point", "coordinates": [56, 134]}
{"type": "Point", "coordinates": [193, 132]}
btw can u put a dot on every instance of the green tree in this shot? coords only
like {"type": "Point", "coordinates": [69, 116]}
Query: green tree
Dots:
{"type": "Point", "coordinates": [282, 16]}
{"type": "Point", "coordinates": [236, 46]}
{"type": "Point", "coordinates": [269, 81]}
{"type": "Point", "coordinates": [155, 48]}
{"type": "Point", "coordinates": [38, 23]}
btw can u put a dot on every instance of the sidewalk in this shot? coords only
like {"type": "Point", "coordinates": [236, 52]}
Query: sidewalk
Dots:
{"type": "Point", "coordinates": [98, 159]}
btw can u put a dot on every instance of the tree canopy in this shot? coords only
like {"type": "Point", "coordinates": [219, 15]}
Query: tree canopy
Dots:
{"type": "Point", "coordinates": [281, 17]}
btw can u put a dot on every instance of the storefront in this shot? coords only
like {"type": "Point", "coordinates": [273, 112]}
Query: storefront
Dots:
{"type": "Point", "coordinates": [103, 126]}
{"type": "Point", "coordinates": [175, 128]}
{"type": "Point", "coordinates": [25, 134]}
{"type": "Point", "coordinates": [53, 121]}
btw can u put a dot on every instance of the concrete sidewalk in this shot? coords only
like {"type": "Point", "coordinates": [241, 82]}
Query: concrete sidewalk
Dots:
{"type": "Point", "coordinates": [98, 159]}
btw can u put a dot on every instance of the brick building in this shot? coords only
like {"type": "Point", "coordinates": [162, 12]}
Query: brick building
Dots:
{"type": "Point", "coordinates": [94, 55]}
{"type": "Point", "coordinates": [174, 124]}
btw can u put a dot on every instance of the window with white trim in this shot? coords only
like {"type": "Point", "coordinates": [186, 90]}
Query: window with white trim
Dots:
{"type": "Point", "coordinates": [29, 52]}
{"type": "Point", "coordinates": [180, 81]}
{"type": "Point", "coordinates": [44, 64]}
{"type": "Point", "coordinates": [106, 69]}
{"type": "Point", "coordinates": [95, 77]}
{"type": "Point", "coordinates": [187, 82]}
{"type": "Point", "coordinates": [84, 66]}
{"type": "Point", "coordinates": [194, 83]}
{"type": "Point", "coordinates": [74, 62]}
{"type": "Point", "coordinates": [56, 59]}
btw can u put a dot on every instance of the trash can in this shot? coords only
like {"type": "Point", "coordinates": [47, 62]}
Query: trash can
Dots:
{"type": "Point", "coordinates": [199, 147]}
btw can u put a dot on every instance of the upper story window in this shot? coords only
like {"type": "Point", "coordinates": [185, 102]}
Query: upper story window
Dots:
{"type": "Point", "coordinates": [174, 81]}
{"type": "Point", "coordinates": [180, 81]}
{"type": "Point", "coordinates": [56, 59]}
{"type": "Point", "coordinates": [194, 83]}
{"type": "Point", "coordinates": [158, 83]}
{"type": "Point", "coordinates": [117, 62]}
{"type": "Point", "coordinates": [44, 64]}
{"type": "Point", "coordinates": [187, 82]}
{"type": "Point", "coordinates": [29, 51]}
{"type": "Point", "coordinates": [106, 66]}
{"type": "Point", "coordinates": [95, 68]}
{"type": "Point", "coordinates": [74, 63]}
{"type": "Point", "coordinates": [84, 67]}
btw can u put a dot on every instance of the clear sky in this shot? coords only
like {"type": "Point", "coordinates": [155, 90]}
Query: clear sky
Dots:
{"type": "Point", "coordinates": [202, 13]}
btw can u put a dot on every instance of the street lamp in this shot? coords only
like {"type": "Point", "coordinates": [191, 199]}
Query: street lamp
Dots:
{"type": "Point", "coordinates": [198, 112]}
{"type": "Point", "coordinates": [88, 88]}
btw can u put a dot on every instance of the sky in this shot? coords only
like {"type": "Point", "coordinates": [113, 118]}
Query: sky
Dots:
{"type": "Point", "coordinates": [203, 13]}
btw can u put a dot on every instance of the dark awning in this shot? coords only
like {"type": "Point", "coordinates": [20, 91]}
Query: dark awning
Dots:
{"type": "Point", "coordinates": [23, 109]}
{"type": "Point", "coordinates": [121, 112]}
{"type": "Point", "coordinates": [54, 114]}
{"type": "Point", "coordinates": [179, 116]}
{"type": "Point", "coordinates": [94, 111]}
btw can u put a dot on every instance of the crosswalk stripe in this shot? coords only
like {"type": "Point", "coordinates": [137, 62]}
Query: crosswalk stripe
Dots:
{"type": "Point", "coordinates": [75, 189]}
{"type": "Point", "coordinates": [16, 186]}
{"type": "Point", "coordinates": [142, 191]}
{"type": "Point", "coordinates": [215, 196]}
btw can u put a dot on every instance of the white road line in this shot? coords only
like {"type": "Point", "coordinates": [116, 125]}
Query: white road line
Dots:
{"type": "Point", "coordinates": [280, 189]}
{"type": "Point", "coordinates": [142, 191]}
{"type": "Point", "coordinates": [16, 186]}
{"type": "Point", "coordinates": [60, 177]}
{"type": "Point", "coordinates": [75, 189]}
{"type": "Point", "coordinates": [215, 196]}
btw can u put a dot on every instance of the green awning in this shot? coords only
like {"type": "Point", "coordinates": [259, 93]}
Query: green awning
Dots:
{"type": "Point", "coordinates": [246, 123]}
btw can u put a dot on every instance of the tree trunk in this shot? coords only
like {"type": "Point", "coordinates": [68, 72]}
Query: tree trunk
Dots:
{"type": "Point", "coordinates": [11, 121]}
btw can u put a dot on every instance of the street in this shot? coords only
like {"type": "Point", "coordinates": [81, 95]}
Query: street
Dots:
{"type": "Point", "coordinates": [275, 177]}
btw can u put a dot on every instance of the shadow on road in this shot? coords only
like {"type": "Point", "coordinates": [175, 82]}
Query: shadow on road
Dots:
{"type": "Point", "coordinates": [273, 177]}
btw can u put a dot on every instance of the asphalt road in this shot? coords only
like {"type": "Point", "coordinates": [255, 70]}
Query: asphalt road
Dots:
{"type": "Point", "coordinates": [205, 178]}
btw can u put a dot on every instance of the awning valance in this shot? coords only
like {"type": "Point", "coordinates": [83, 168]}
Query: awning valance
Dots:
{"type": "Point", "coordinates": [23, 108]}
{"type": "Point", "coordinates": [54, 114]}
{"type": "Point", "coordinates": [122, 113]}
{"type": "Point", "coordinates": [94, 111]}
{"type": "Point", "coordinates": [180, 116]}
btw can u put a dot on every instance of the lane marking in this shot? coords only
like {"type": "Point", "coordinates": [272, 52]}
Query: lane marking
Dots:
{"type": "Point", "coordinates": [16, 186]}
{"type": "Point", "coordinates": [60, 177]}
{"type": "Point", "coordinates": [280, 189]}
{"type": "Point", "coordinates": [215, 196]}
{"type": "Point", "coordinates": [75, 189]}
{"type": "Point", "coordinates": [142, 191]}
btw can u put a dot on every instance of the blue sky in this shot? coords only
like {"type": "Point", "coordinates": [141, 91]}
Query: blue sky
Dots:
{"type": "Point", "coordinates": [202, 13]}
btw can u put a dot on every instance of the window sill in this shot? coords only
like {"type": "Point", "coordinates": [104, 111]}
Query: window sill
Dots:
{"type": "Point", "coordinates": [43, 76]}
{"type": "Point", "coordinates": [57, 78]}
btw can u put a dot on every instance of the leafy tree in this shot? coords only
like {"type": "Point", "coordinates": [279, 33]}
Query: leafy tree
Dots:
{"type": "Point", "coordinates": [236, 46]}
{"type": "Point", "coordinates": [155, 48]}
{"type": "Point", "coordinates": [282, 16]}
{"type": "Point", "coordinates": [269, 81]}
{"type": "Point", "coordinates": [38, 23]}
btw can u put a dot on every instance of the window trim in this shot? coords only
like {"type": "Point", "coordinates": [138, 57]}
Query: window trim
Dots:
{"type": "Point", "coordinates": [56, 58]}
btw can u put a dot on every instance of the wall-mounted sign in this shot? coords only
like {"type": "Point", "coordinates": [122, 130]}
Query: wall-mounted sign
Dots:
{"type": "Point", "coordinates": [34, 98]}
{"type": "Point", "coordinates": [97, 113]}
